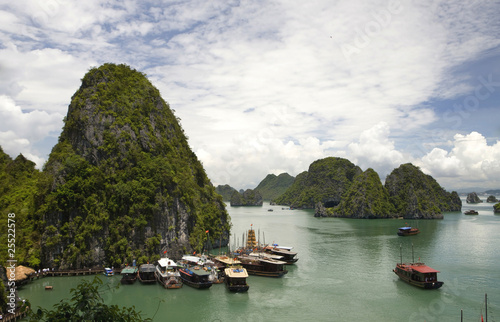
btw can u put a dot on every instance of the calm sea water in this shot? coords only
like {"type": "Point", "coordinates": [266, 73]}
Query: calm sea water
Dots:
{"type": "Point", "coordinates": [344, 273]}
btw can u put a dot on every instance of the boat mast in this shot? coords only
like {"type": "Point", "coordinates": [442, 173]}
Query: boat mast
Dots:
{"type": "Point", "coordinates": [486, 306]}
{"type": "Point", "coordinates": [412, 256]}
{"type": "Point", "coordinates": [400, 254]}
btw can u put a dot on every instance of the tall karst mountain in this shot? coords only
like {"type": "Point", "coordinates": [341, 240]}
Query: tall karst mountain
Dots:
{"type": "Point", "coordinates": [122, 182]}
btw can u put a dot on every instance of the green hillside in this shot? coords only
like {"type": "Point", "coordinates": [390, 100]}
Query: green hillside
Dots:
{"type": "Point", "coordinates": [274, 186]}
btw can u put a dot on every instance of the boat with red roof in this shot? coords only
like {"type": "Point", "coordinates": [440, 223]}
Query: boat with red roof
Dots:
{"type": "Point", "coordinates": [418, 274]}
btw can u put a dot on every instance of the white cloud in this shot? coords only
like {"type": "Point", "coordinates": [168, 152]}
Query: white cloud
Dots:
{"type": "Point", "coordinates": [20, 130]}
{"type": "Point", "coordinates": [471, 160]}
{"type": "Point", "coordinates": [261, 85]}
{"type": "Point", "coordinates": [375, 150]}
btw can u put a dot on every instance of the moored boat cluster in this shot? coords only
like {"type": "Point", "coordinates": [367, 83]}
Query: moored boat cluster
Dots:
{"type": "Point", "coordinates": [202, 271]}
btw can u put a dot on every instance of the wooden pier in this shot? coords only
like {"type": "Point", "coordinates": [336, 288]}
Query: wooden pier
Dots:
{"type": "Point", "coordinates": [72, 272]}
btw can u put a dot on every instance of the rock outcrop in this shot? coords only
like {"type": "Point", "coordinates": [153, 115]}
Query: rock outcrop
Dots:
{"type": "Point", "coordinates": [496, 208]}
{"type": "Point", "coordinates": [491, 199]}
{"type": "Point", "coordinates": [473, 198]}
{"type": "Point", "coordinates": [122, 182]}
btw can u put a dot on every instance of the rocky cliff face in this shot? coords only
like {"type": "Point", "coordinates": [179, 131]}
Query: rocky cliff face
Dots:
{"type": "Point", "coordinates": [248, 198]}
{"type": "Point", "coordinates": [122, 182]}
{"type": "Point", "coordinates": [417, 195]}
{"type": "Point", "coordinates": [473, 198]}
{"type": "Point", "coordinates": [325, 181]}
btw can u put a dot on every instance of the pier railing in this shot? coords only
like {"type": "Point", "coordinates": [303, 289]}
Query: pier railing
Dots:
{"type": "Point", "coordinates": [71, 272]}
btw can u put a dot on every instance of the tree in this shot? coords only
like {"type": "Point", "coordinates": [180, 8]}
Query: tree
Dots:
{"type": "Point", "coordinates": [86, 304]}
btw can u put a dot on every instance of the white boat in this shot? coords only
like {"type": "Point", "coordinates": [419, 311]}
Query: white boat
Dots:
{"type": "Point", "coordinates": [167, 275]}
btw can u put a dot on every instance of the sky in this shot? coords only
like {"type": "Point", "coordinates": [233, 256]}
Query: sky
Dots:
{"type": "Point", "coordinates": [270, 86]}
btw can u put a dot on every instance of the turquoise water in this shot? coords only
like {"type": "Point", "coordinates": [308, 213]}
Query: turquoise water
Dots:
{"type": "Point", "coordinates": [344, 273]}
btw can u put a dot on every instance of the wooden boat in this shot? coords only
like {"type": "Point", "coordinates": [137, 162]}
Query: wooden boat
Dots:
{"type": "Point", "coordinates": [471, 212]}
{"type": "Point", "coordinates": [285, 252]}
{"type": "Point", "coordinates": [408, 231]}
{"type": "Point", "coordinates": [195, 276]}
{"type": "Point", "coordinates": [263, 266]}
{"type": "Point", "coordinates": [167, 274]}
{"type": "Point", "coordinates": [129, 275]}
{"type": "Point", "coordinates": [146, 273]}
{"type": "Point", "coordinates": [418, 274]}
{"type": "Point", "coordinates": [236, 279]}
{"type": "Point", "coordinates": [108, 272]}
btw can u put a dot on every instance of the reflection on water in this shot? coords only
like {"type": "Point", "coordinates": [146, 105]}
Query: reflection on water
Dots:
{"type": "Point", "coordinates": [344, 272]}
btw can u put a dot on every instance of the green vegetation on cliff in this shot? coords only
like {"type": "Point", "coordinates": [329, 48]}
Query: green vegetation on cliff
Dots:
{"type": "Point", "coordinates": [274, 186]}
{"type": "Point", "coordinates": [226, 191]}
{"type": "Point", "coordinates": [122, 182]}
{"type": "Point", "coordinates": [325, 181]}
{"type": "Point", "coordinates": [365, 198]}
{"type": "Point", "coordinates": [496, 208]}
{"type": "Point", "coordinates": [18, 190]}
{"type": "Point", "coordinates": [417, 195]}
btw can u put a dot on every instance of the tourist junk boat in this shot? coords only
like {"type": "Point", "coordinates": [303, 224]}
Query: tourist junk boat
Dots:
{"type": "Point", "coordinates": [408, 231]}
{"type": "Point", "coordinates": [129, 275]}
{"type": "Point", "coordinates": [195, 276]}
{"type": "Point", "coordinates": [167, 274]}
{"type": "Point", "coordinates": [206, 263]}
{"type": "Point", "coordinates": [263, 266]}
{"type": "Point", "coordinates": [147, 274]}
{"type": "Point", "coordinates": [236, 279]}
{"type": "Point", "coordinates": [285, 252]}
{"type": "Point", "coordinates": [418, 274]}
{"type": "Point", "coordinates": [471, 212]}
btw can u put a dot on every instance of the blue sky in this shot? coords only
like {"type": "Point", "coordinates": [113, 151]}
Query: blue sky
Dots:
{"type": "Point", "coordinates": [270, 86]}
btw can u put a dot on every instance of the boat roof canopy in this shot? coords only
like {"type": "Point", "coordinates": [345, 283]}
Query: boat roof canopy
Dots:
{"type": "Point", "coordinates": [166, 262]}
{"type": "Point", "coordinates": [236, 272]}
{"type": "Point", "coordinates": [129, 270]}
{"type": "Point", "coordinates": [424, 269]}
{"type": "Point", "coordinates": [404, 228]}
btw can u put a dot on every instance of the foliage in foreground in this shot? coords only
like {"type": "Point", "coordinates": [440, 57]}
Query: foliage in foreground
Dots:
{"type": "Point", "coordinates": [86, 304]}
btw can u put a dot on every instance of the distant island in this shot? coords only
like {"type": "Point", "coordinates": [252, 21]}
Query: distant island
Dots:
{"type": "Point", "coordinates": [249, 197]}
{"type": "Point", "coordinates": [335, 187]}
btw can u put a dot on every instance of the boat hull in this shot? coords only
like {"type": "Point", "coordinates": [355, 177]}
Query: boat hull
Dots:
{"type": "Point", "coordinates": [197, 285]}
{"type": "Point", "coordinates": [169, 282]}
{"type": "Point", "coordinates": [192, 281]}
{"type": "Point", "coordinates": [237, 288]}
{"type": "Point", "coordinates": [266, 274]}
{"type": "Point", "coordinates": [128, 280]}
{"type": "Point", "coordinates": [408, 234]}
